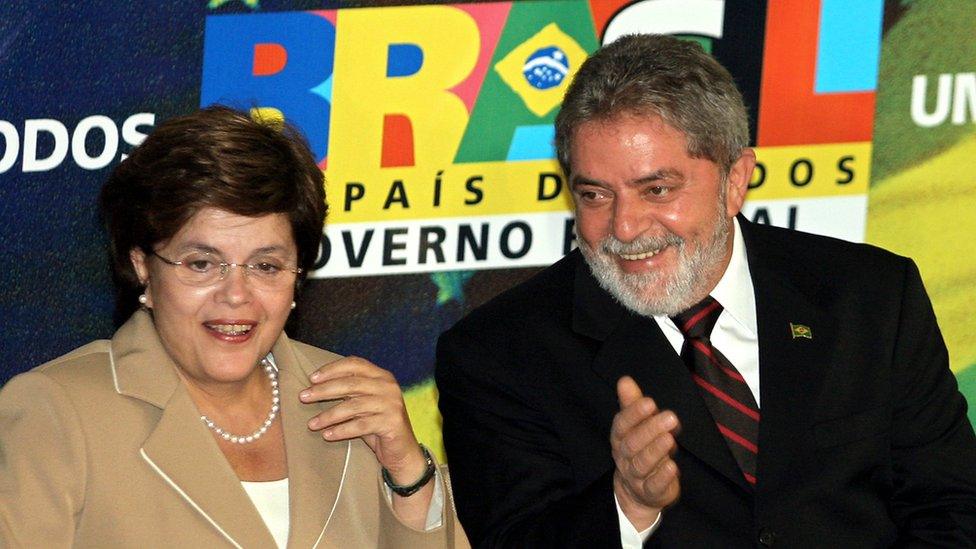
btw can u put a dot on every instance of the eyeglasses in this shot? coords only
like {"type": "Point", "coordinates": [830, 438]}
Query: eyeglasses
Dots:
{"type": "Point", "coordinates": [206, 269]}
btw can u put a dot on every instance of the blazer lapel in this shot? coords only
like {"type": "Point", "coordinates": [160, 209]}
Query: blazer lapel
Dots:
{"type": "Point", "coordinates": [795, 339]}
{"type": "Point", "coordinates": [316, 468]}
{"type": "Point", "coordinates": [183, 452]}
{"type": "Point", "coordinates": [179, 448]}
{"type": "Point", "coordinates": [634, 345]}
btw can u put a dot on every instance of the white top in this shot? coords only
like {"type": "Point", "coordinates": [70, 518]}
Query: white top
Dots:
{"type": "Point", "coordinates": [736, 335]}
{"type": "Point", "coordinates": [271, 500]}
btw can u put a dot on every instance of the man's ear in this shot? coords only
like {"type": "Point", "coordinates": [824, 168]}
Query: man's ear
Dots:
{"type": "Point", "coordinates": [740, 175]}
{"type": "Point", "coordinates": [141, 266]}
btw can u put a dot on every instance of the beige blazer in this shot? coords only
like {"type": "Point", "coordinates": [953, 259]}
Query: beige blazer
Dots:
{"type": "Point", "coordinates": [104, 448]}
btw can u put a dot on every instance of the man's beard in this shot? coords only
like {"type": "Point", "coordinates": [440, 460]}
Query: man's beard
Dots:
{"type": "Point", "coordinates": [677, 292]}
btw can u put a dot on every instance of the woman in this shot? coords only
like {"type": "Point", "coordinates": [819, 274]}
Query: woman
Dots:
{"type": "Point", "coordinates": [200, 424]}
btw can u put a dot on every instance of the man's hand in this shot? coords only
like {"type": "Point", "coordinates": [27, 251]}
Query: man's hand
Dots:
{"type": "Point", "coordinates": [642, 440]}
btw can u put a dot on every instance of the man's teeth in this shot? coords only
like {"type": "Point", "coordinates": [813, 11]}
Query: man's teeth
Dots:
{"type": "Point", "coordinates": [642, 255]}
{"type": "Point", "coordinates": [231, 329]}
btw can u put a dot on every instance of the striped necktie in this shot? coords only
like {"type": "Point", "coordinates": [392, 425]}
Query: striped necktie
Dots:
{"type": "Point", "coordinates": [726, 393]}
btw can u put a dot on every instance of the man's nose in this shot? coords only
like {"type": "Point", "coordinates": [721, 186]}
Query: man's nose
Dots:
{"type": "Point", "coordinates": [630, 218]}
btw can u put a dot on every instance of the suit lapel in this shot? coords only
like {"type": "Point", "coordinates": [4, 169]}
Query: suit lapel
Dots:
{"type": "Point", "coordinates": [791, 366]}
{"type": "Point", "coordinates": [183, 452]}
{"type": "Point", "coordinates": [634, 345]}
{"type": "Point", "coordinates": [179, 447]}
{"type": "Point", "coordinates": [316, 468]}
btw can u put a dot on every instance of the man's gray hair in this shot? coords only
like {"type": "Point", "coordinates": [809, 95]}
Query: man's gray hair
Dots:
{"type": "Point", "coordinates": [650, 74]}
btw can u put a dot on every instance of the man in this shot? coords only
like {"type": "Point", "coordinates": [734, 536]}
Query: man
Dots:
{"type": "Point", "coordinates": [687, 378]}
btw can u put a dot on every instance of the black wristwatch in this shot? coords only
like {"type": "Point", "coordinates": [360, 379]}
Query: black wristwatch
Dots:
{"type": "Point", "coordinates": [411, 489]}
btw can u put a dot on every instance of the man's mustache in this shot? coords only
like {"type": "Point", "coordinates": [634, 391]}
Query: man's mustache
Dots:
{"type": "Point", "coordinates": [612, 245]}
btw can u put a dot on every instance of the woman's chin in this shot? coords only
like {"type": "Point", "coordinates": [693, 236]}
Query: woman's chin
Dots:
{"type": "Point", "coordinates": [229, 370]}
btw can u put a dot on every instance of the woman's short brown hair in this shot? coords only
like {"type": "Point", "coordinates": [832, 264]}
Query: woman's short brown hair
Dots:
{"type": "Point", "coordinates": [219, 158]}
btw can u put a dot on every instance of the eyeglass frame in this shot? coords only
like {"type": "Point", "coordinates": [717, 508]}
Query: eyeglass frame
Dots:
{"type": "Point", "coordinates": [225, 267]}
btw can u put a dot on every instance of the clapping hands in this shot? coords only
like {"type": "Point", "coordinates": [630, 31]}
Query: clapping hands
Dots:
{"type": "Point", "coordinates": [646, 479]}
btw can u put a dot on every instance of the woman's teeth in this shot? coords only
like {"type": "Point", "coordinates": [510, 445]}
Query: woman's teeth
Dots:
{"type": "Point", "coordinates": [231, 329]}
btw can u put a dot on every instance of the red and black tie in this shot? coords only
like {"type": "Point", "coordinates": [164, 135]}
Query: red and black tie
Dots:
{"type": "Point", "coordinates": [725, 391]}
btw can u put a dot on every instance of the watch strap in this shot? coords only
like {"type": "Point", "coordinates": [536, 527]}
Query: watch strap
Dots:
{"type": "Point", "coordinates": [410, 489]}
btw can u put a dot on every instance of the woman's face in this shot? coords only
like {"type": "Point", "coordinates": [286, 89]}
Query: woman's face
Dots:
{"type": "Point", "coordinates": [218, 333]}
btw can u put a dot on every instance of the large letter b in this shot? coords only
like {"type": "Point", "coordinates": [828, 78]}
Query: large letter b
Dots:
{"type": "Point", "coordinates": [278, 60]}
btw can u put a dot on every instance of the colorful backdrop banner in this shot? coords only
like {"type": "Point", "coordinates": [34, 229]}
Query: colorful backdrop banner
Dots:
{"type": "Point", "coordinates": [923, 195]}
{"type": "Point", "coordinates": [433, 123]}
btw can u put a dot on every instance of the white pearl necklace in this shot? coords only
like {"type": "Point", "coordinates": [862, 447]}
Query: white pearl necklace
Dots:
{"type": "Point", "coordinates": [244, 439]}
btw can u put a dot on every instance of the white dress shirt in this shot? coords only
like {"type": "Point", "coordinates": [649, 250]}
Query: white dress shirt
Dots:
{"type": "Point", "coordinates": [736, 335]}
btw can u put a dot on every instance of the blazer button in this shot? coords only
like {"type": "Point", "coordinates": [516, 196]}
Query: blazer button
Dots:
{"type": "Point", "coordinates": [767, 537]}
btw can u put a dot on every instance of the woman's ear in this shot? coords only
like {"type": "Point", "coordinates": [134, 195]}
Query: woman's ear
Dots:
{"type": "Point", "coordinates": [141, 266]}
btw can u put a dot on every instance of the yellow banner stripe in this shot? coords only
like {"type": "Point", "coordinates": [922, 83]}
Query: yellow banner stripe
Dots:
{"type": "Point", "coordinates": [807, 171]}
{"type": "Point", "coordinates": [499, 188]}
{"type": "Point", "coordinates": [461, 190]}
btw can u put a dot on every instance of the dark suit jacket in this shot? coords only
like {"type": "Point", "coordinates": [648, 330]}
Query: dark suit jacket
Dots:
{"type": "Point", "coordinates": [864, 440]}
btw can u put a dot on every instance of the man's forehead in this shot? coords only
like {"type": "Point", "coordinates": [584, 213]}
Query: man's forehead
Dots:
{"type": "Point", "coordinates": [643, 144]}
{"type": "Point", "coordinates": [635, 130]}
{"type": "Point", "coordinates": [649, 117]}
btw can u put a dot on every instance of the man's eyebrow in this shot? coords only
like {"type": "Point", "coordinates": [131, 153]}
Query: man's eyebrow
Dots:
{"type": "Point", "coordinates": [658, 175]}
{"type": "Point", "coordinates": [653, 177]}
{"type": "Point", "coordinates": [577, 180]}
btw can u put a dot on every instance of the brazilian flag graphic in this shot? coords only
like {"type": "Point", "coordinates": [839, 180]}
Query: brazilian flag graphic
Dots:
{"type": "Point", "coordinates": [540, 50]}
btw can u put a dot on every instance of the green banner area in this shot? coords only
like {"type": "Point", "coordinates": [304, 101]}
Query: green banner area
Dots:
{"type": "Point", "coordinates": [921, 200]}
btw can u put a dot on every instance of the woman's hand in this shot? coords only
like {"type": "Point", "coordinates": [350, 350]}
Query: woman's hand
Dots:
{"type": "Point", "coordinates": [372, 408]}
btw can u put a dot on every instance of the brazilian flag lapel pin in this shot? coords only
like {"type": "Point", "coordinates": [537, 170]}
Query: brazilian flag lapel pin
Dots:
{"type": "Point", "coordinates": [801, 330]}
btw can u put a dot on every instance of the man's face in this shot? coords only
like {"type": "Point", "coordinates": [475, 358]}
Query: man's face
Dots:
{"type": "Point", "coordinates": [654, 224]}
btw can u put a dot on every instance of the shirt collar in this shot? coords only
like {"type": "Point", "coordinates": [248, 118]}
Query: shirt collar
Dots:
{"type": "Point", "coordinates": [734, 290]}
